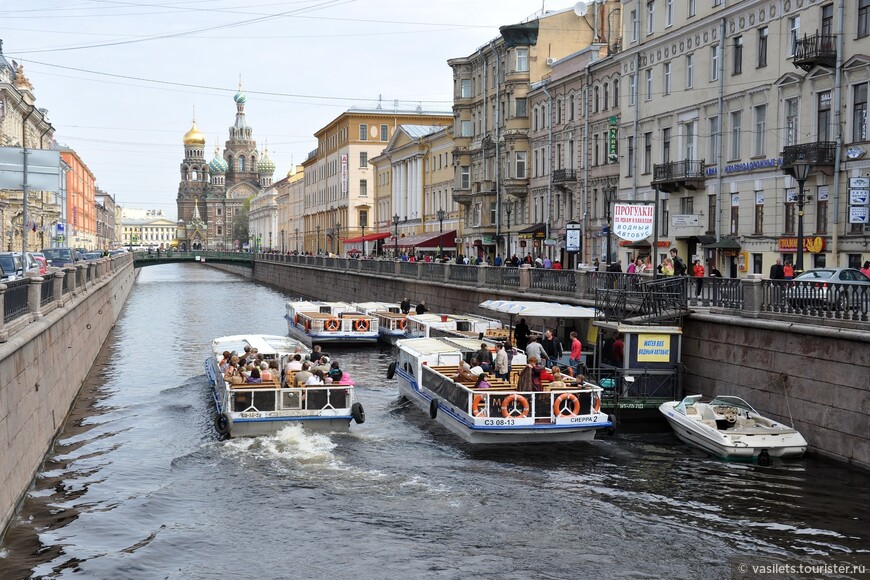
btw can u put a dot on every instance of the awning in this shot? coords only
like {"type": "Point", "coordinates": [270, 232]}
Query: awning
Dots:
{"type": "Point", "coordinates": [535, 232]}
{"type": "Point", "coordinates": [724, 244]}
{"type": "Point", "coordinates": [432, 241]}
{"type": "Point", "coordinates": [538, 309]}
{"type": "Point", "coordinates": [703, 240]}
{"type": "Point", "coordinates": [368, 238]}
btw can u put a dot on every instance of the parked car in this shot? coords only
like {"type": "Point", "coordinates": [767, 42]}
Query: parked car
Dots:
{"type": "Point", "coordinates": [12, 266]}
{"type": "Point", "coordinates": [29, 262]}
{"type": "Point", "coordinates": [58, 257]}
{"type": "Point", "coordinates": [92, 255]}
{"type": "Point", "coordinates": [833, 288]}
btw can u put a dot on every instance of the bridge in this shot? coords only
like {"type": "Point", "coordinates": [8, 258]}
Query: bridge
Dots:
{"type": "Point", "coordinates": [154, 258]}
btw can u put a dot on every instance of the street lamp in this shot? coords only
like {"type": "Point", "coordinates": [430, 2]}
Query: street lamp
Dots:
{"type": "Point", "coordinates": [362, 224]}
{"type": "Point", "coordinates": [337, 237]}
{"type": "Point", "coordinates": [801, 169]}
{"type": "Point", "coordinates": [507, 248]}
{"type": "Point", "coordinates": [318, 239]}
{"type": "Point", "coordinates": [270, 241]}
{"type": "Point", "coordinates": [396, 225]}
{"type": "Point", "coordinates": [441, 215]}
{"type": "Point", "coordinates": [609, 196]}
{"type": "Point", "coordinates": [283, 250]}
{"type": "Point", "coordinates": [296, 233]}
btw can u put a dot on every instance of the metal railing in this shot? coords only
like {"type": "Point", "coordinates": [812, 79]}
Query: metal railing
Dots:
{"type": "Point", "coordinates": [463, 274]}
{"type": "Point", "coordinates": [46, 290]}
{"type": "Point", "coordinates": [679, 170]}
{"type": "Point", "coordinates": [15, 299]}
{"type": "Point", "coordinates": [554, 280]}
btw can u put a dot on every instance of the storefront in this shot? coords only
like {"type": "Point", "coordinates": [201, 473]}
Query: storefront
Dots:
{"type": "Point", "coordinates": [365, 245]}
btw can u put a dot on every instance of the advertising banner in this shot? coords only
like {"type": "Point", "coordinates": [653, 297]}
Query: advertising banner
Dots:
{"type": "Point", "coordinates": [633, 221]}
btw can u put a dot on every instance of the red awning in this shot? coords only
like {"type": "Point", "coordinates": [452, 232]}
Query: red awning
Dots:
{"type": "Point", "coordinates": [446, 241]}
{"type": "Point", "coordinates": [368, 238]}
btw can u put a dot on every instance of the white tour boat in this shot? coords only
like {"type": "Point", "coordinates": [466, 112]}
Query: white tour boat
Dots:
{"type": "Point", "coordinates": [335, 322]}
{"type": "Point", "coordinates": [253, 409]}
{"type": "Point", "coordinates": [499, 414]}
{"type": "Point", "coordinates": [729, 428]}
{"type": "Point", "coordinates": [459, 325]}
{"type": "Point", "coordinates": [391, 322]}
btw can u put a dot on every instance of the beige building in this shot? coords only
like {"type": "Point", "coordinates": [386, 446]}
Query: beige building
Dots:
{"type": "Point", "coordinates": [492, 153]}
{"type": "Point", "coordinates": [338, 179]}
{"type": "Point", "coordinates": [289, 198]}
{"type": "Point", "coordinates": [414, 193]}
{"type": "Point", "coordinates": [263, 223]}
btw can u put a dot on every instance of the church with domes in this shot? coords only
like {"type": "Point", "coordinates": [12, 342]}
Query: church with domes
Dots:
{"type": "Point", "coordinates": [212, 193]}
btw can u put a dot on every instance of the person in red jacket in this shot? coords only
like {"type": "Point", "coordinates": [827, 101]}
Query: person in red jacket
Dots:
{"type": "Point", "coordinates": [618, 353]}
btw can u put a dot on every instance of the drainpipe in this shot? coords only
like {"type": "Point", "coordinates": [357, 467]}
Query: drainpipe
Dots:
{"type": "Point", "coordinates": [721, 109]}
{"type": "Point", "coordinates": [586, 160]}
{"type": "Point", "coordinates": [24, 186]}
{"type": "Point", "coordinates": [550, 156]}
{"type": "Point", "coordinates": [497, 127]}
{"type": "Point", "coordinates": [835, 238]}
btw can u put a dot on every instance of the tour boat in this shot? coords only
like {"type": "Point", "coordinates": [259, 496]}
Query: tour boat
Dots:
{"type": "Point", "coordinates": [499, 414]}
{"type": "Point", "coordinates": [458, 325]}
{"type": "Point", "coordinates": [335, 322]}
{"type": "Point", "coordinates": [391, 321]}
{"type": "Point", "coordinates": [250, 410]}
{"type": "Point", "coordinates": [729, 428]}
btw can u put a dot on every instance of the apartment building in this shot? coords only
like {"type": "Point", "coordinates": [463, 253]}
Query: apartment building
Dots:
{"type": "Point", "coordinates": [289, 198]}
{"type": "Point", "coordinates": [338, 196]}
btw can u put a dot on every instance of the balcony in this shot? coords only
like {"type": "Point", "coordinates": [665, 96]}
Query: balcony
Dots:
{"type": "Point", "coordinates": [483, 187]}
{"type": "Point", "coordinates": [564, 175]}
{"type": "Point", "coordinates": [676, 175]}
{"type": "Point", "coordinates": [820, 155]}
{"type": "Point", "coordinates": [515, 186]}
{"type": "Point", "coordinates": [815, 50]}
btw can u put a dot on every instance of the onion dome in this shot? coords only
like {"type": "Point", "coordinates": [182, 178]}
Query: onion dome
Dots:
{"type": "Point", "coordinates": [266, 165]}
{"type": "Point", "coordinates": [218, 164]}
{"type": "Point", "coordinates": [194, 137]}
{"type": "Point", "coordinates": [240, 97]}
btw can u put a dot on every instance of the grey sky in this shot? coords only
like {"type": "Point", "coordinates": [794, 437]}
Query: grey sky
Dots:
{"type": "Point", "coordinates": [120, 79]}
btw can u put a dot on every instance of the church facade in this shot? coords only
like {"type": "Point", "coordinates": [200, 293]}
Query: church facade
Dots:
{"type": "Point", "coordinates": [212, 194]}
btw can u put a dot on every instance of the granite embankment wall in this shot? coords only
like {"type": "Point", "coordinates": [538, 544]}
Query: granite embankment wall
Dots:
{"type": "Point", "coordinates": [817, 375]}
{"type": "Point", "coordinates": [42, 368]}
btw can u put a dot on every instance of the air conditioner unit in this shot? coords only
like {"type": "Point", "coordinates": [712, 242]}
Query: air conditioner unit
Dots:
{"type": "Point", "coordinates": [550, 61]}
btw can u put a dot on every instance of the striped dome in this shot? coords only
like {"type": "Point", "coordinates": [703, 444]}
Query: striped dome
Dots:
{"type": "Point", "coordinates": [218, 164]}
{"type": "Point", "coordinates": [266, 165]}
{"type": "Point", "coordinates": [240, 97]}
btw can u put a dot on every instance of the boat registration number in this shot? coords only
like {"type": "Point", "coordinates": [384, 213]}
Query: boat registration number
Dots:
{"type": "Point", "coordinates": [504, 422]}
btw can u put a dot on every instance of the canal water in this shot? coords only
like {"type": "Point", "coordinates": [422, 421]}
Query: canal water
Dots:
{"type": "Point", "coordinates": [139, 486]}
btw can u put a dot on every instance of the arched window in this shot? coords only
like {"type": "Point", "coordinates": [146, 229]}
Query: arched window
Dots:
{"type": "Point", "coordinates": [616, 93]}
{"type": "Point", "coordinates": [230, 162]}
{"type": "Point", "coordinates": [606, 95]}
{"type": "Point", "coordinates": [595, 96]}
{"type": "Point", "coordinates": [241, 163]}
{"type": "Point", "coordinates": [253, 162]}
{"type": "Point", "coordinates": [535, 117]}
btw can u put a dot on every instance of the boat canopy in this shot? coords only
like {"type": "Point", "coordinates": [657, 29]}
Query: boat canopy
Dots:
{"type": "Point", "coordinates": [539, 309]}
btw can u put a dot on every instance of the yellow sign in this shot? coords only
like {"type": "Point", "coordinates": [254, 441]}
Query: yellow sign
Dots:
{"type": "Point", "coordinates": [653, 347]}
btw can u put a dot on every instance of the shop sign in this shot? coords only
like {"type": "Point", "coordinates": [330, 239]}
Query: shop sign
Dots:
{"type": "Point", "coordinates": [633, 221]}
{"type": "Point", "coordinates": [653, 347]}
{"type": "Point", "coordinates": [813, 245]}
{"type": "Point", "coordinates": [859, 182]}
{"type": "Point", "coordinates": [748, 166]}
{"type": "Point", "coordinates": [612, 150]}
{"type": "Point", "coordinates": [344, 174]}
{"type": "Point", "coordinates": [572, 237]}
{"type": "Point", "coordinates": [858, 196]}
{"type": "Point", "coordinates": [858, 214]}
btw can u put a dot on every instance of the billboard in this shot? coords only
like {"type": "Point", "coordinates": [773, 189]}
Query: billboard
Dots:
{"type": "Point", "coordinates": [633, 221]}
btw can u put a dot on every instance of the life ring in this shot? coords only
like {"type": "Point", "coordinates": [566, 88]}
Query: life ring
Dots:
{"type": "Point", "coordinates": [433, 408]}
{"type": "Point", "coordinates": [402, 324]}
{"type": "Point", "coordinates": [478, 406]}
{"type": "Point", "coordinates": [391, 370]}
{"type": "Point", "coordinates": [222, 424]}
{"type": "Point", "coordinates": [361, 325]}
{"type": "Point", "coordinates": [307, 326]}
{"type": "Point", "coordinates": [507, 413]}
{"type": "Point", "coordinates": [560, 411]}
{"type": "Point", "coordinates": [332, 324]}
{"type": "Point", "coordinates": [596, 402]}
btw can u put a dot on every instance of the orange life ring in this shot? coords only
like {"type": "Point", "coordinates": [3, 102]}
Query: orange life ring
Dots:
{"type": "Point", "coordinates": [361, 325]}
{"type": "Point", "coordinates": [506, 413]}
{"type": "Point", "coordinates": [332, 324]}
{"type": "Point", "coordinates": [596, 402]}
{"type": "Point", "coordinates": [296, 319]}
{"type": "Point", "coordinates": [402, 324]}
{"type": "Point", "coordinates": [307, 326]}
{"type": "Point", "coordinates": [559, 410]}
{"type": "Point", "coordinates": [478, 406]}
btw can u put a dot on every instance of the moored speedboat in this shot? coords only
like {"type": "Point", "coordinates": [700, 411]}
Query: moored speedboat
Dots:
{"type": "Point", "coordinates": [254, 409]}
{"type": "Point", "coordinates": [729, 428]}
{"type": "Point", "coordinates": [330, 322]}
{"type": "Point", "coordinates": [500, 414]}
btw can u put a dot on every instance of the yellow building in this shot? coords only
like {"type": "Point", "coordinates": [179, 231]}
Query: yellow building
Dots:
{"type": "Point", "coordinates": [338, 196]}
{"type": "Point", "coordinates": [290, 197]}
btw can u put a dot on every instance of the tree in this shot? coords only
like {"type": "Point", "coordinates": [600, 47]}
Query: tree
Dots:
{"type": "Point", "coordinates": [240, 230]}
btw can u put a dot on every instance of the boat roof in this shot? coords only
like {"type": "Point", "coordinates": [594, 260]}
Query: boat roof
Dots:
{"type": "Point", "coordinates": [301, 305]}
{"type": "Point", "coordinates": [539, 309]}
{"type": "Point", "coordinates": [264, 343]}
{"type": "Point", "coordinates": [374, 306]}
{"type": "Point", "coordinates": [637, 328]}
{"type": "Point", "coordinates": [424, 346]}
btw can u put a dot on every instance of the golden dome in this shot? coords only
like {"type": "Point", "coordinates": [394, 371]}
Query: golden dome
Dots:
{"type": "Point", "coordinates": [194, 137]}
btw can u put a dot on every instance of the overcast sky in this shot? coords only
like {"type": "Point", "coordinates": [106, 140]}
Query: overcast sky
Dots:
{"type": "Point", "coordinates": [120, 79]}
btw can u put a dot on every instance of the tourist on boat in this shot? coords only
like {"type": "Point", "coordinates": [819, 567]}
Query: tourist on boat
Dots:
{"type": "Point", "coordinates": [511, 352]}
{"type": "Point", "coordinates": [316, 353]}
{"type": "Point", "coordinates": [481, 382]}
{"type": "Point", "coordinates": [335, 373]}
{"type": "Point", "coordinates": [296, 363]}
{"type": "Point", "coordinates": [535, 349]}
{"type": "Point", "coordinates": [557, 381]}
{"type": "Point", "coordinates": [324, 365]}
{"type": "Point", "coordinates": [552, 347]}
{"type": "Point", "coordinates": [317, 378]}
{"type": "Point", "coordinates": [254, 377]}
{"type": "Point", "coordinates": [502, 364]}
{"type": "Point", "coordinates": [405, 305]}
{"type": "Point", "coordinates": [521, 333]}
{"type": "Point", "coordinates": [530, 376]}
{"type": "Point", "coordinates": [485, 357]}
{"type": "Point", "coordinates": [475, 369]}
{"type": "Point", "coordinates": [421, 307]}
{"type": "Point", "coordinates": [303, 375]}
{"type": "Point", "coordinates": [575, 358]}
{"type": "Point", "coordinates": [464, 374]}
{"type": "Point", "coordinates": [265, 372]}
{"type": "Point", "coordinates": [224, 363]}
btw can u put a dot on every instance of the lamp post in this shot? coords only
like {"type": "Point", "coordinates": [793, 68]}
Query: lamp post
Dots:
{"type": "Point", "coordinates": [296, 233]}
{"type": "Point", "coordinates": [609, 195]}
{"type": "Point", "coordinates": [283, 247]}
{"type": "Point", "coordinates": [507, 248]}
{"type": "Point", "coordinates": [337, 236]}
{"type": "Point", "coordinates": [363, 226]}
{"type": "Point", "coordinates": [270, 241]}
{"type": "Point", "coordinates": [441, 215]}
{"type": "Point", "coordinates": [801, 169]}
{"type": "Point", "coordinates": [317, 228]}
{"type": "Point", "coordinates": [396, 225]}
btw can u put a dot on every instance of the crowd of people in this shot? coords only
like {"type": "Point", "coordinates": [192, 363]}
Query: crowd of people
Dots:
{"type": "Point", "coordinates": [301, 370]}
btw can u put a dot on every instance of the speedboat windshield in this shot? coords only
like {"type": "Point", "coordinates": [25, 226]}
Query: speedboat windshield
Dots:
{"type": "Point", "coordinates": [687, 402]}
{"type": "Point", "coordinates": [726, 401]}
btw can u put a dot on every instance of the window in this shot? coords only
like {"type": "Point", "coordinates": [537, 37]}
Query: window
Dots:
{"type": "Point", "coordinates": [794, 30]}
{"type": "Point", "coordinates": [605, 101]}
{"type": "Point", "coordinates": [595, 96]}
{"type": "Point", "coordinates": [762, 47]}
{"type": "Point", "coordinates": [690, 71]}
{"type": "Point", "coordinates": [632, 90]}
{"type": "Point", "coordinates": [635, 26]}
{"type": "Point", "coordinates": [690, 131]}
{"type": "Point", "coordinates": [859, 112]}
{"type": "Point", "coordinates": [827, 23]}
{"type": "Point", "coordinates": [824, 116]}
{"type": "Point", "coordinates": [616, 93]}
{"type": "Point", "coordinates": [759, 212]}
{"type": "Point", "coordinates": [711, 213]}
{"type": "Point", "coordinates": [465, 89]}
{"type": "Point", "coordinates": [692, 7]}
{"type": "Point", "coordinates": [647, 152]}
{"type": "Point", "coordinates": [735, 212]}
{"type": "Point", "coordinates": [521, 110]}
{"type": "Point", "coordinates": [572, 103]}
{"type": "Point", "coordinates": [363, 132]}
{"type": "Point", "coordinates": [714, 62]}
{"type": "Point", "coordinates": [822, 210]}
{"type": "Point", "coordinates": [558, 111]}
{"type": "Point", "coordinates": [465, 177]}
{"type": "Point", "coordinates": [736, 118]}
{"type": "Point", "coordinates": [630, 160]}
{"type": "Point", "coordinates": [241, 163]}
{"type": "Point", "coordinates": [687, 205]}
{"type": "Point", "coordinates": [667, 79]}
{"type": "Point", "coordinates": [715, 139]}
{"type": "Point", "coordinates": [791, 121]}
{"type": "Point", "coordinates": [664, 218]}
{"type": "Point", "coordinates": [363, 159]}
{"type": "Point", "coordinates": [649, 84]}
{"type": "Point", "coordinates": [669, 12]}
{"type": "Point", "coordinates": [666, 145]}
{"type": "Point", "coordinates": [863, 18]}
{"type": "Point", "coordinates": [385, 133]}
{"type": "Point", "coordinates": [521, 161]}
{"type": "Point", "coordinates": [363, 187]}
{"type": "Point", "coordinates": [650, 17]}
{"type": "Point", "coordinates": [465, 128]}
{"type": "Point", "coordinates": [738, 55]}
{"type": "Point", "coordinates": [760, 130]}
{"type": "Point", "coordinates": [596, 146]}
{"type": "Point", "coordinates": [522, 60]}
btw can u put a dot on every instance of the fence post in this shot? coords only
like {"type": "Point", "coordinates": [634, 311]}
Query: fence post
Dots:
{"type": "Point", "coordinates": [525, 277]}
{"type": "Point", "coordinates": [58, 284]}
{"type": "Point", "coordinates": [4, 334]}
{"type": "Point", "coordinates": [481, 275]}
{"type": "Point", "coordinates": [753, 296]}
{"type": "Point", "coordinates": [34, 296]}
{"type": "Point", "coordinates": [72, 279]}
